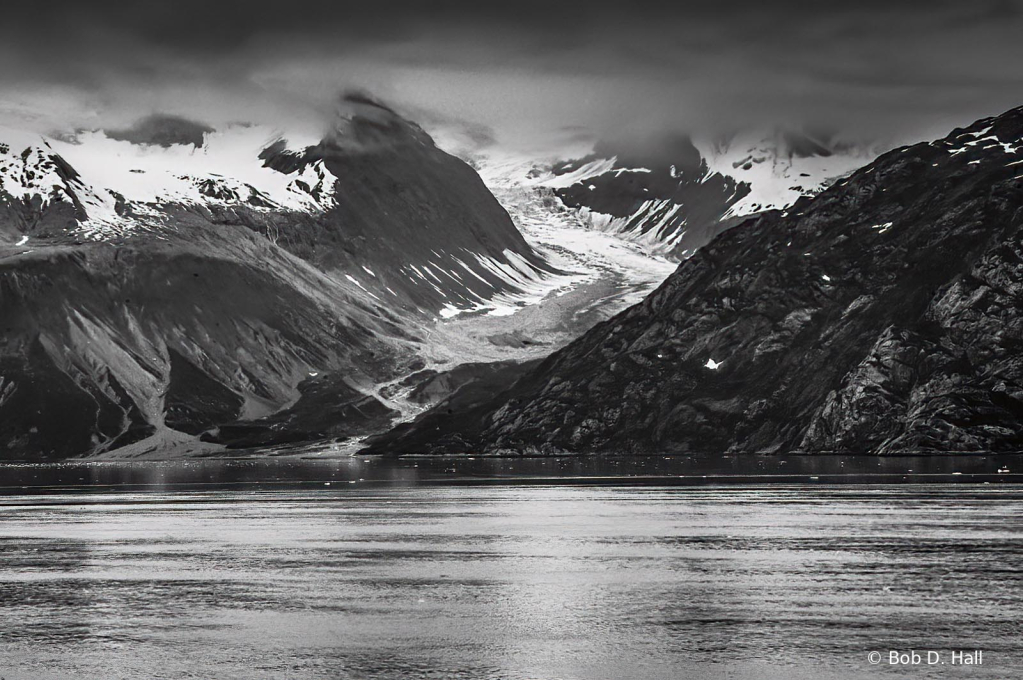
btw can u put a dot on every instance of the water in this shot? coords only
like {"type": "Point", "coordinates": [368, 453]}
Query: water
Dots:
{"type": "Point", "coordinates": [510, 582]}
{"type": "Point", "coordinates": [295, 472]}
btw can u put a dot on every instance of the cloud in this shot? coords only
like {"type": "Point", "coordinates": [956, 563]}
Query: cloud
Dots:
{"type": "Point", "coordinates": [524, 69]}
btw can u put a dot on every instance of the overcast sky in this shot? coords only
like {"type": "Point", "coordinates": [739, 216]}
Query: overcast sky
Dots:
{"type": "Point", "coordinates": [525, 69]}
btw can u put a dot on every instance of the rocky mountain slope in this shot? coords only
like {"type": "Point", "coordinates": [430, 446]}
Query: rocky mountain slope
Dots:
{"type": "Point", "coordinates": [172, 285]}
{"type": "Point", "coordinates": [882, 315]}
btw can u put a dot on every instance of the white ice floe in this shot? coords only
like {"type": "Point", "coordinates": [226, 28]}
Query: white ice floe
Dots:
{"type": "Point", "coordinates": [713, 365]}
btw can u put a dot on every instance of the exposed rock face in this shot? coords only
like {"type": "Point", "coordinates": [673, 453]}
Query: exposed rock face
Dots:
{"type": "Point", "coordinates": [884, 315]}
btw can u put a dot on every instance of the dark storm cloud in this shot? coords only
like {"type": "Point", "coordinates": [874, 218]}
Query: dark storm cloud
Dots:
{"type": "Point", "coordinates": [524, 68]}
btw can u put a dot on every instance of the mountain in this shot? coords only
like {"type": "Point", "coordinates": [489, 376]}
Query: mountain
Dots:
{"type": "Point", "coordinates": [420, 219]}
{"type": "Point", "coordinates": [171, 287]}
{"type": "Point", "coordinates": [676, 194]}
{"type": "Point", "coordinates": [881, 315]}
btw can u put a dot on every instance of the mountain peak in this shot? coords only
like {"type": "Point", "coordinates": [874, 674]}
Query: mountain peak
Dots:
{"type": "Point", "coordinates": [363, 124]}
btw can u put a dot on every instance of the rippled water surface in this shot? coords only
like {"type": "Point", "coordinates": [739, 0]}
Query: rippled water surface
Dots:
{"type": "Point", "coordinates": [510, 582]}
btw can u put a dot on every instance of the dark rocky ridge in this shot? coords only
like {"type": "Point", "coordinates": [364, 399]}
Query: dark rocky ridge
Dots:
{"type": "Point", "coordinates": [884, 315]}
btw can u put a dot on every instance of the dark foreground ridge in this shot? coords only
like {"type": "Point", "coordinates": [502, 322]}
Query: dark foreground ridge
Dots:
{"type": "Point", "coordinates": [884, 315]}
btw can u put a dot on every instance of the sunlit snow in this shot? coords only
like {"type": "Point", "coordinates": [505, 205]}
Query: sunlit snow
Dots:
{"type": "Point", "coordinates": [226, 170]}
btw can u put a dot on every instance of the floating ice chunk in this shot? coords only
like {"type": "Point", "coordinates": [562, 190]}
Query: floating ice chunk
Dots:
{"type": "Point", "coordinates": [712, 365]}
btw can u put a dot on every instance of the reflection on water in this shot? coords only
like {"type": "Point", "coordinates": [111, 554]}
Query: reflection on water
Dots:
{"type": "Point", "coordinates": [312, 471]}
{"type": "Point", "coordinates": [510, 582]}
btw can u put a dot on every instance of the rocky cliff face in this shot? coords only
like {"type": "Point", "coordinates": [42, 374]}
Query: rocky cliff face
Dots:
{"type": "Point", "coordinates": [884, 315]}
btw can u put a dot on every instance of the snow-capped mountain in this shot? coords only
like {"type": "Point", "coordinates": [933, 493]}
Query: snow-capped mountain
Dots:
{"type": "Point", "coordinates": [674, 195]}
{"type": "Point", "coordinates": [92, 186]}
{"type": "Point", "coordinates": [405, 210]}
{"type": "Point", "coordinates": [174, 285]}
{"type": "Point", "coordinates": [779, 168]}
